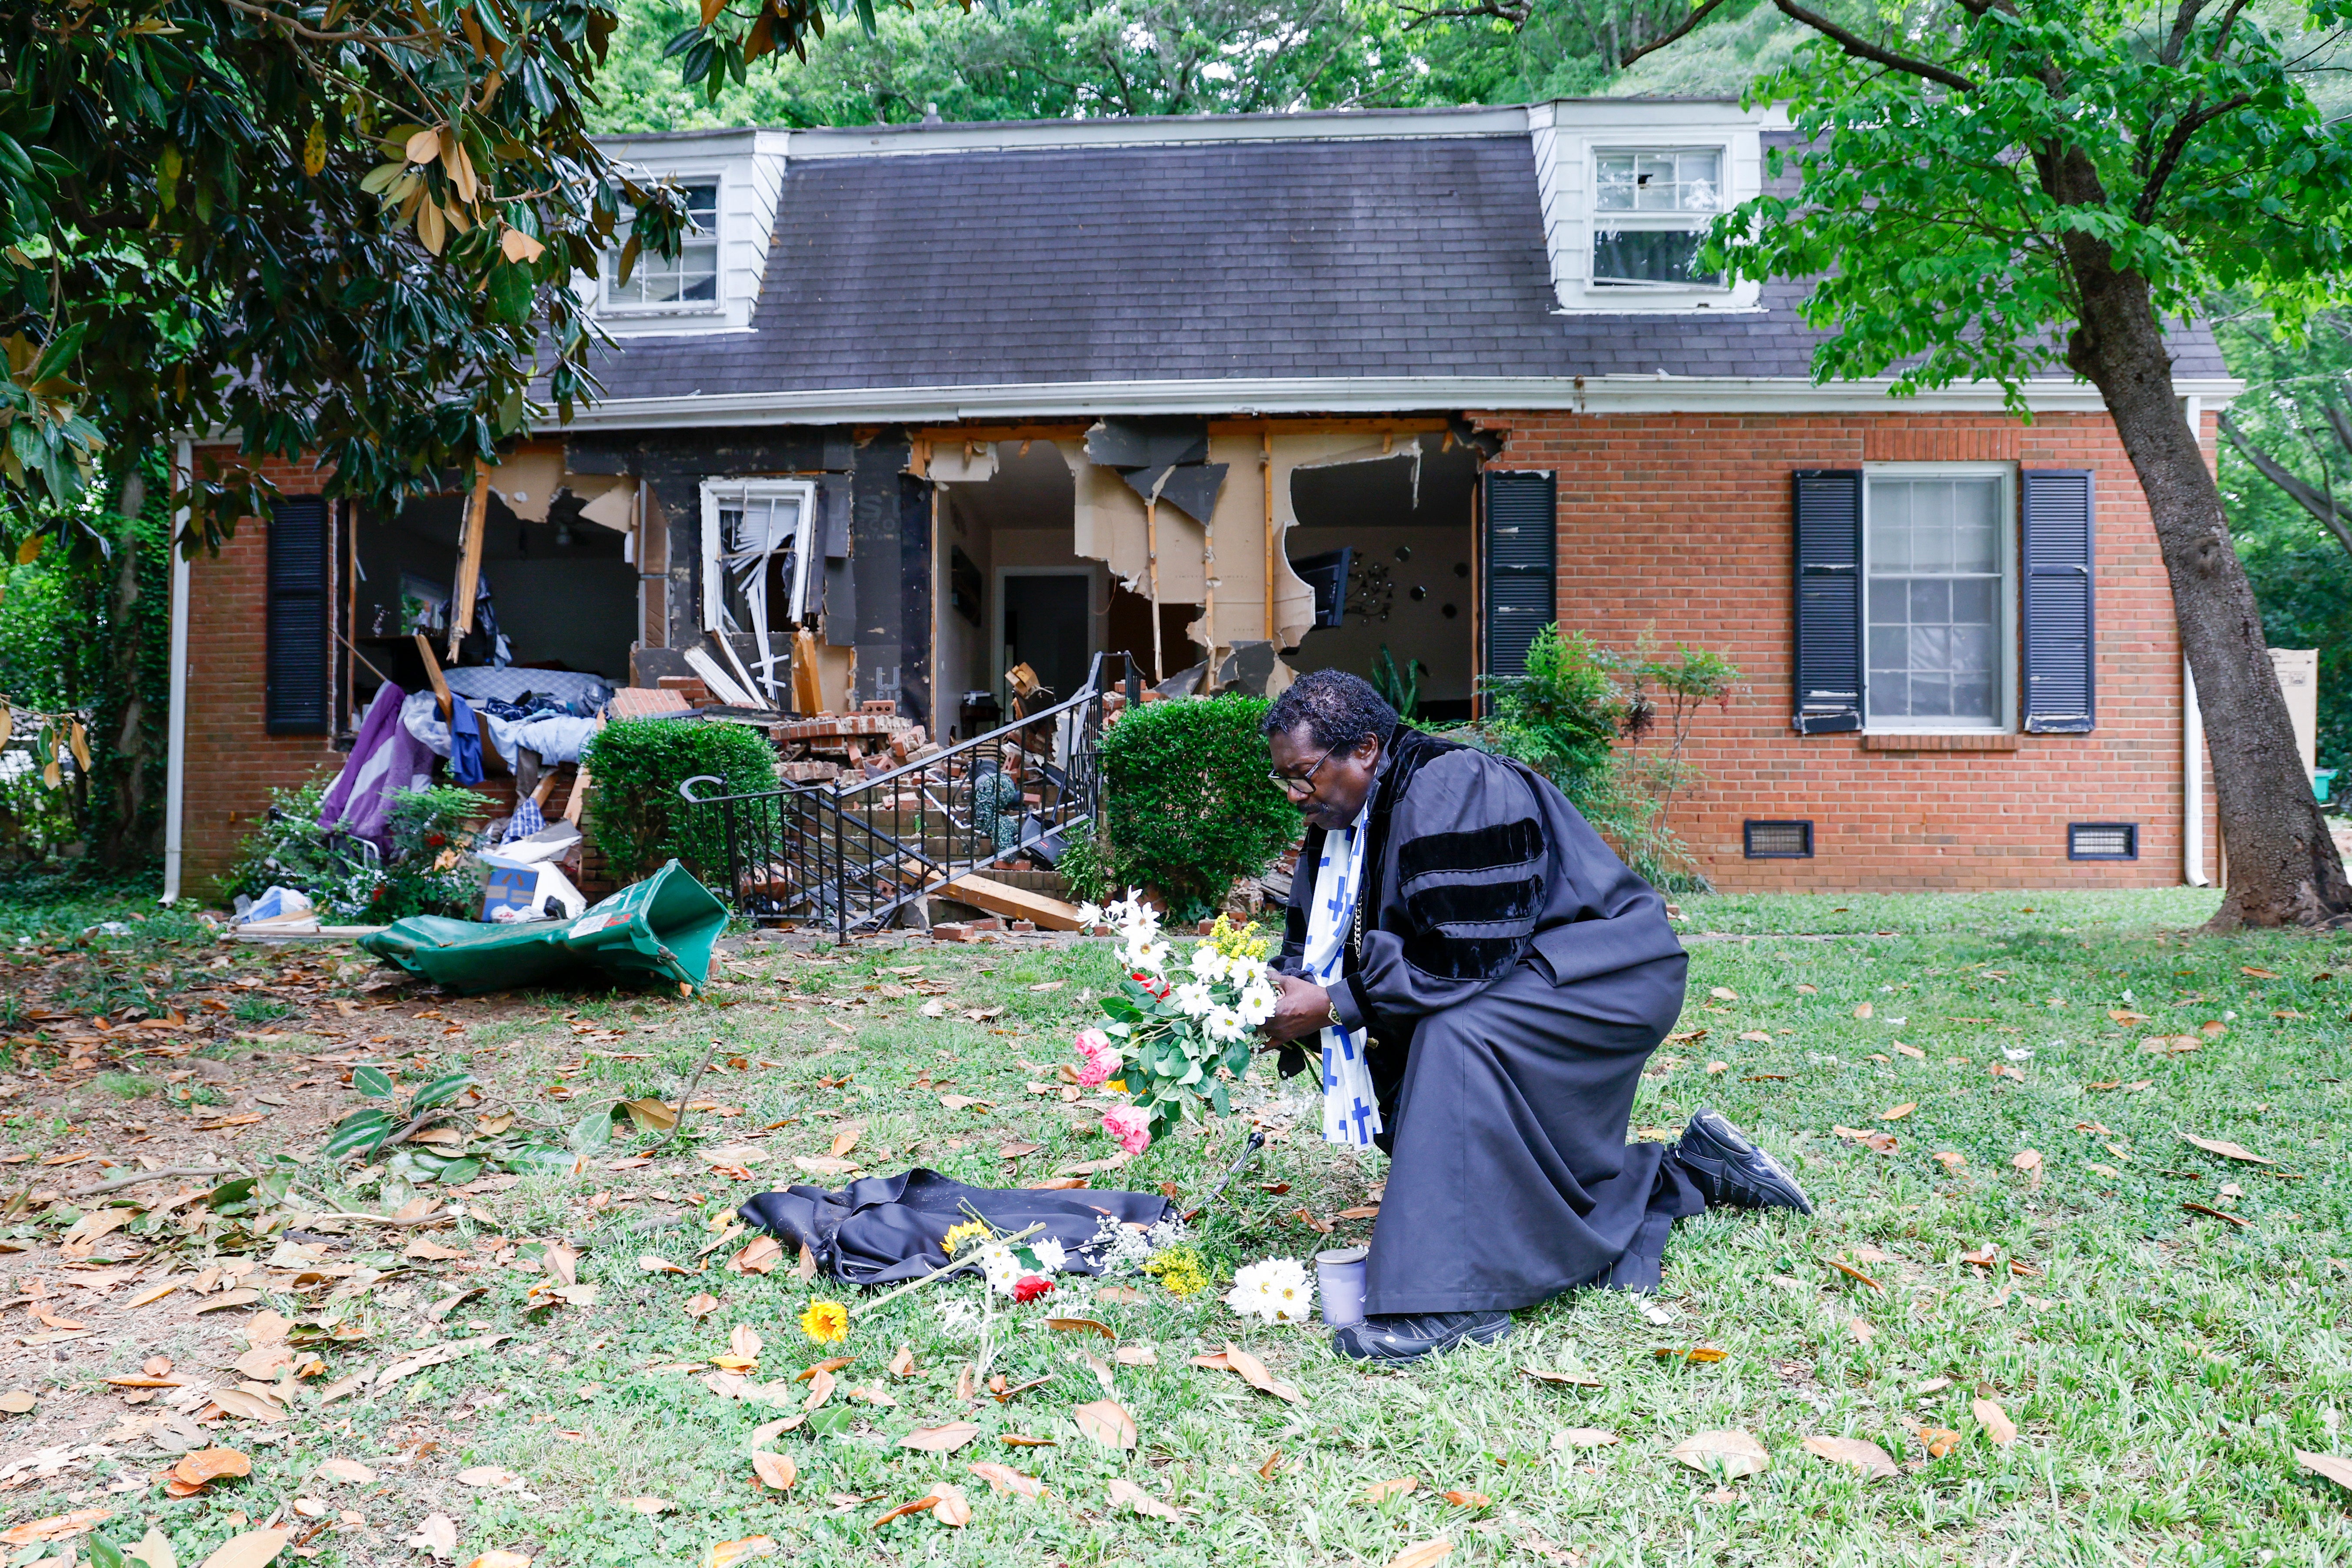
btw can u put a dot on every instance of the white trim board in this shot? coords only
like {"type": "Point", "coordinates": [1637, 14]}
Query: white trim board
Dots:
{"type": "Point", "coordinates": [1243, 399]}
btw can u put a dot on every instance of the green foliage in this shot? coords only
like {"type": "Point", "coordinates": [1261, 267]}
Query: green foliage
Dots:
{"type": "Point", "coordinates": [1400, 687]}
{"type": "Point", "coordinates": [640, 820]}
{"type": "Point", "coordinates": [1086, 879]}
{"type": "Point", "coordinates": [427, 871]}
{"type": "Point", "coordinates": [376, 215]}
{"type": "Point", "coordinates": [2302, 575]}
{"type": "Point", "coordinates": [1971, 170]}
{"type": "Point", "coordinates": [362, 1134]}
{"type": "Point", "coordinates": [1189, 805]}
{"type": "Point", "coordinates": [1565, 717]}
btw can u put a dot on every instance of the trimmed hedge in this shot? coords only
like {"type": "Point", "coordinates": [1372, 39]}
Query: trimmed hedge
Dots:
{"type": "Point", "coordinates": [636, 815]}
{"type": "Point", "coordinates": [1188, 805]}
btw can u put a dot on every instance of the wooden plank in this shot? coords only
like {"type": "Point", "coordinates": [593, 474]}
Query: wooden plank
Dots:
{"type": "Point", "coordinates": [1014, 903]}
{"type": "Point", "coordinates": [806, 695]}
{"type": "Point", "coordinates": [469, 562]}
{"type": "Point", "coordinates": [433, 674]}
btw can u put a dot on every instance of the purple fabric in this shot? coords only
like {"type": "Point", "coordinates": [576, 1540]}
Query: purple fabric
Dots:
{"type": "Point", "coordinates": [386, 759]}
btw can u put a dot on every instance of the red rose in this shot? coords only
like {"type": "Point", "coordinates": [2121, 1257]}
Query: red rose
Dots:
{"type": "Point", "coordinates": [1029, 1287]}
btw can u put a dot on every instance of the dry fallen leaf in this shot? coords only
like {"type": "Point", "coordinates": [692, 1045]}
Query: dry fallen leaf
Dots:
{"type": "Point", "coordinates": [1126, 1494]}
{"type": "Point", "coordinates": [1730, 1453]}
{"type": "Point", "coordinates": [1106, 1422]}
{"type": "Point", "coordinates": [2027, 1160]}
{"type": "Point", "coordinates": [17, 1401]}
{"type": "Point", "coordinates": [251, 1550]}
{"type": "Point", "coordinates": [1469, 1500]}
{"type": "Point", "coordinates": [923, 1504]}
{"type": "Point", "coordinates": [903, 1364]}
{"type": "Point", "coordinates": [1553, 1375]}
{"type": "Point", "coordinates": [723, 1552]}
{"type": "Point", "coordinates": [1850, 1272]}
{"type": "Point", "coordinates": [1938, 1440]}
{"type": "Point", "coordinates": [1999, 1428]}
{"type": "Point", "coordinates": [950, 1506]}
{"type": "Point", "coordinates": [1081, 1326]}
{"type": "Point", "coordinates": [437, 1534]}
{"type": "Point", "coordinates": [56, 1527]}
{"type": "Point", "coordinates": [1423, 1554]}
{"type": "Point", "coordinates": [208, 1465]}
{"type": "Point", "coordinates": [1701, 1353]}
{"type": "Point", "coordinates": [2328, 1465]}
{"type": "Point", "coordinates": [1253, 1373]}
{"type": "Point", "coordinates": [487, 1477]}
{"type": "Point", "coordinates": [1866, 1456]}
{"type": "Point", "coordinates": [1379, 1491]}
{"type": "Point", "coordinates": [1003, 1480]}
{"type": "Point", "coordinates": [500, 1560]}
{"type": "Point", "coordinates": [1863, 1010]}
{"type": "Point", "coordinates": [347, 1471]}
{"type": "Point", "coordinates": [744, 1342]}
{"type": "Point", "coordinates": [776, 1472]}
{"type": "Point", "coordinates": [1897, 1112]}
{"type": "Point", "coordinates": [944, 1439]}
{"type": "Point", "coordinates": [1136, 1355]}
{"type": "Point", "coordinates": [701, 1305]}
{"type": "Point", "coordinates": [649, 1505]}
{"type": "Point", "coordinates": [154, 1549]}
{"type": "Point", "coordinates": [2227, 1150]}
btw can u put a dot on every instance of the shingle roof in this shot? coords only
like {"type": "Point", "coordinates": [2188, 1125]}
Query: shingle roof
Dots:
{"type": "Point", "coordinates": [1284, 259]}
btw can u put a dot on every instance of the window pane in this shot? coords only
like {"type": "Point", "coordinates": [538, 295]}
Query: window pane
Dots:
{"type": "Point", "coordinates": [1935, 592]}
{"type": "Point", "coordinates": [1688, 181]}
{"type": "Point", "coordinates": [1648, 255]}
{"type": "Point", "coordinates": [1613, 182]}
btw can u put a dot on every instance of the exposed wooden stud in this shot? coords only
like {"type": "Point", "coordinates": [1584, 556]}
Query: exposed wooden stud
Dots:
{"type": "Point", "coordinates": [433, 674]}
{"type": "Point", "coordinates": [1265, 470]}
{"type": "Point", "coordinates": [1151, 556]}
{"type": "Point", "coordinates": [469, 562]}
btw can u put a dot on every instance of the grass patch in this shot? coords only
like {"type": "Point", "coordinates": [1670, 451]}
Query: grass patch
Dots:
{"type": "Point", "coordinates": [128, 1085]}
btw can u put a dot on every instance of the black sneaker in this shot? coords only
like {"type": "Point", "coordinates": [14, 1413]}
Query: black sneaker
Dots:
{"type": "Point", "coordinates": [1733, 1173]}
{"type": "Point", "coordinates": [1409, 1336]}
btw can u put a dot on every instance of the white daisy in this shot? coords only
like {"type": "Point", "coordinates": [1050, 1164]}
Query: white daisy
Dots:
{"type": "Point", "coordinates": [1224, 1023]}
{"type": "Point", "coordinates": [1209, 964]}
{"type": "Point", "coordinates": [1051, 1255]}
{"type": "Point", "coordinates": [1256, 1005]}
{"type": "Point", "coordinates": [1192, 998]}
{"type": "Point", "coordinates": [1243, 971]}
{"type": "Point", "coordinates": [1151, 957]}
{"type": "Point", "coordinates": [1277, 1290]}
{"type": "Point", "coordinates": [1090, 917]}
{"type": "Point", "coordinates": [1002, 1269]}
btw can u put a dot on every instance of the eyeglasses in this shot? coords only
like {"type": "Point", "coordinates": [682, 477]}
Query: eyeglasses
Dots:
{"type": "Point", "coordinates": [1301, 784]}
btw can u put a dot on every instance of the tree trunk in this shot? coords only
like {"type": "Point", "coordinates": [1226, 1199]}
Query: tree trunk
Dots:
{"type": "Point", "coordinates": [2284, 867]}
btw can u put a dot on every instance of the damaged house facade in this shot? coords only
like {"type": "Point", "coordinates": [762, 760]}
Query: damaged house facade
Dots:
{"type": "Point", "coordinates": [1239, 397]}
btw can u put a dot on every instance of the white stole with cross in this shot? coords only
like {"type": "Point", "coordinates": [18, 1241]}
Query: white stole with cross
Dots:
{"type": "Point", "coordinates": [1352, 1113]}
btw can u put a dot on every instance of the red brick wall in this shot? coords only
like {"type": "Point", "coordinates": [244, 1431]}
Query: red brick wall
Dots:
{"type": "Point", "coordinates": [1680, 525]}
{"type": "Point", "coordinates": [231, 761]}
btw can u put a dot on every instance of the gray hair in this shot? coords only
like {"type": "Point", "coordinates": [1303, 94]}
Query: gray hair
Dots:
{"type": "Point", "coordinates": [1337, 709]}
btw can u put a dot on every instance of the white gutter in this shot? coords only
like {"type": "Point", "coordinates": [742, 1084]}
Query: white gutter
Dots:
{"type": "Point", "coordinates": [176, 773]}
{"type": "Point", "coordinates": [2192, 783]}
{"type": "Point", "coordinates": [1233, 397]}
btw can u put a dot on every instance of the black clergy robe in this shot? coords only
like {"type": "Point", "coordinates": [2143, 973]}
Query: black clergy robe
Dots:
{"type": "Point", "coordinates": [1513, 976]}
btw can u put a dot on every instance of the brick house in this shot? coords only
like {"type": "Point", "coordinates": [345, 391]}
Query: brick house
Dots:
{"type": "Point", "coordinates": [1277, 393]}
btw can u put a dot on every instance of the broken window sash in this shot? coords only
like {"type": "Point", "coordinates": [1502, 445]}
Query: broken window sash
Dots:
{"type": "Point", "coordinates": [759, 541]}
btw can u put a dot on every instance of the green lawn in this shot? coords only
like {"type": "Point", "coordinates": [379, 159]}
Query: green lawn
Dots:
{"type": "Point", "coordinates": [2160, 1365]}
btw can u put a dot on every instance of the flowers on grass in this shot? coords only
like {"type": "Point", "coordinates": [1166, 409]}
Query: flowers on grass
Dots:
{"type": "Point", "coordinates": [1051, 1255]}
{"type": "Point", "coordinates": [1001, 1267]}
{"type": "Point", "coordinates": [1129, 1127]}
{"type": "Point", "coordinates": [959, 1236]}
{"type": "Point", "coordinates": [1030, 1286]}
{"type": "Point", "coordinates": [1276, 1290]}
{"type": "Point", "coordinates": [826, 1322]}
{"type": "Point", "coordinates": [1181, 1270]}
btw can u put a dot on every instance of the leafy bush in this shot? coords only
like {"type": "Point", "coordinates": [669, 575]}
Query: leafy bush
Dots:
{"type": "Point", "coordinates": [1577, 701]}
{"type": "Point", "coordinates": [637, 816]}
{"type": "Point", "coordinates": [1085, 877]}
{"type": "Point", "coordinates": [1188, 805]}
{"type": "Point", "coordinates": [426, 873]}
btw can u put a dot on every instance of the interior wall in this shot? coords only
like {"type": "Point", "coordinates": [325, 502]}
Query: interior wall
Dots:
{"type": "Point", "coordinates": [963, 645]}
{"type": "Point", "coordinates": [1416, 628]}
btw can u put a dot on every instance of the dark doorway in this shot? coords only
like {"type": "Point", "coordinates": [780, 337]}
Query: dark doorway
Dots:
{"type": "Point", "coordinates": [1046, 619]}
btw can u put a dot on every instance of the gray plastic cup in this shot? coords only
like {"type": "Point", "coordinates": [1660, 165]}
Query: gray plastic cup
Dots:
{"type": "Point", "coordinates": [1340, 1271]}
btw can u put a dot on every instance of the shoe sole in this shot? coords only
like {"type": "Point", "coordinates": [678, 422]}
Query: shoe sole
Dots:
{"type": "Point", "coordinates": [1473, 1337]}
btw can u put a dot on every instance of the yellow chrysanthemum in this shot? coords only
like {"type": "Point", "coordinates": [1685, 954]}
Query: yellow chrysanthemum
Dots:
{"type": "Point", "coordinates": [1180, 1272]}
{"type": "Point", "coordinates": [826, 1321]}
{"type": "Point", "coordinates": [1238, 939]}
{"type": "Point", "coordinates": [961, 1235]}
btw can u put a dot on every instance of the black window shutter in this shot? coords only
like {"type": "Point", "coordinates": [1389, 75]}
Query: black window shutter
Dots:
{"type": "Point", "coordinates": [2060, 659]}
{"type": "Point", "coordinates": [1522, 574]}
{"type": "Point", "coordinates": [296, 664]}
{"type": "Point", "coordinates": [1829, 601]}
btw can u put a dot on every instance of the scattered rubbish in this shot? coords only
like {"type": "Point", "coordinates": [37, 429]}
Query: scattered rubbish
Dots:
{"type": "Point", "coordinates": [660, 929]}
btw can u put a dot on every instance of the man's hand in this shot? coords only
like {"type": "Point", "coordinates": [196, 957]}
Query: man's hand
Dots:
{"type": "Point", "coordinates": [1301, 1008]}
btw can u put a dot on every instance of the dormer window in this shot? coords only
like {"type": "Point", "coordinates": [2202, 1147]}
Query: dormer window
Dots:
{"type": "Point", "coordinates": [687, 281]}
{"type": "Point", "coordinates": [1651, 209]}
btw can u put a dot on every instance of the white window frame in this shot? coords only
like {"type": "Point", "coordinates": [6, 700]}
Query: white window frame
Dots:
{"type": "Point", "coordinates": [607, 262]}
{"type": "Point", "coordinates": [1655, 222]}
{"type": "Point", "coordinates": [2006, 631]}
{"type": "Point", "coordinates": [808, 542]}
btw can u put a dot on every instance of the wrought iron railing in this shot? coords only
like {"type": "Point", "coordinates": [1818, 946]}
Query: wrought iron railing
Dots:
{"type": "Point", "coordinates": [851, 852]}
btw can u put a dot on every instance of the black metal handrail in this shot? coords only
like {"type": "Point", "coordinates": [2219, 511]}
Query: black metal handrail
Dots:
{"type": "Point", "coordinates": [851, 854]}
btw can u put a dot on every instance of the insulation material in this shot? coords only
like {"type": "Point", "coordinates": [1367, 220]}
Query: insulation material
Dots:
{"type": "Point", "coordinates": [970, 463]}
{"type": "Point", "coordinates": [529, 481]}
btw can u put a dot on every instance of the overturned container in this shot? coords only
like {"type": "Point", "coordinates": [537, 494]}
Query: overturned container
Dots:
{"type": "Point", "coordinates": [658, 929]}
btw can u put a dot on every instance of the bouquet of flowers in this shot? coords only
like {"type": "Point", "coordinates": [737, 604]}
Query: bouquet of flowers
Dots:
{"type": "Point", "coordinates": [1172, 1024]}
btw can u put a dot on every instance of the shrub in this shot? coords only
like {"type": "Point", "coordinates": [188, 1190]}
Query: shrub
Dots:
{"type": "Point", "coordinates": [640, 820]}
{"type": "Point", "coordinates": [1188, 805]}
{"type": "Point", "coordinates": [1577, 698]}
{"type": "Point", "coordinates": [426, 871]}
{"type": "Point", "coordinates": [1084, 876]}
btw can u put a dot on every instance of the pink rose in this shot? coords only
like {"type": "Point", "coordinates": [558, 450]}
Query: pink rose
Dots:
{"type": "Point", "coordinates": [1099, 1057]}
{"type": "Point", "coordinates": [1091, 1042]}
{"type": "Point", "coordinates": [1129, 1127]}
{"type": "Point", "coordinates": [1095, 1072]}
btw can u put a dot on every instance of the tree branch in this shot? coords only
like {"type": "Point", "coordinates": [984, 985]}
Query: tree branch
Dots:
{"type": "Point", "coordinates": [1706, 8]}
{"type": "Point", "coordinates": [2167, 161]}
{"type": "Point", "coordinates": [1863, 48]}
{"type": "Point", "coordinates": [2183, 22]}
{"type": "Point", "coordinates": [2310, 500]}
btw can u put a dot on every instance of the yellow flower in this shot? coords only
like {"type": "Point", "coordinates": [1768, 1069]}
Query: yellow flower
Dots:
{"type": "Point", "coordinates": [958, 1236]}
{"type": "Point", "coordinates": [1238, 941]}
{"type": "Point", "coordinates": [1117, 1086]}
{"type": "Point", "coordinates": [1179, 1272]}
{"type": "Point", "coordinates": [826, 1321]}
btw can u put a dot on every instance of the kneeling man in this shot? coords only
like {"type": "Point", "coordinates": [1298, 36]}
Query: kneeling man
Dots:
{"type": "Point", "coordinates": [1485, 980]}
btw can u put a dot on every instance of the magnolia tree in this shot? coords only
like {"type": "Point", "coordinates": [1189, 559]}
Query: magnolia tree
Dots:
{"type": "Point", "coordinates": [349, 230]}
{"type": "Point", "coordinates": [1992, 189]}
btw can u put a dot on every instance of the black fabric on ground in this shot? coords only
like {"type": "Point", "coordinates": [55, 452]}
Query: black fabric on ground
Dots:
{"type": "Point", "coordinates": [1511, 1180]}
{"type": "Point", "coordinates": [879, 1230]}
